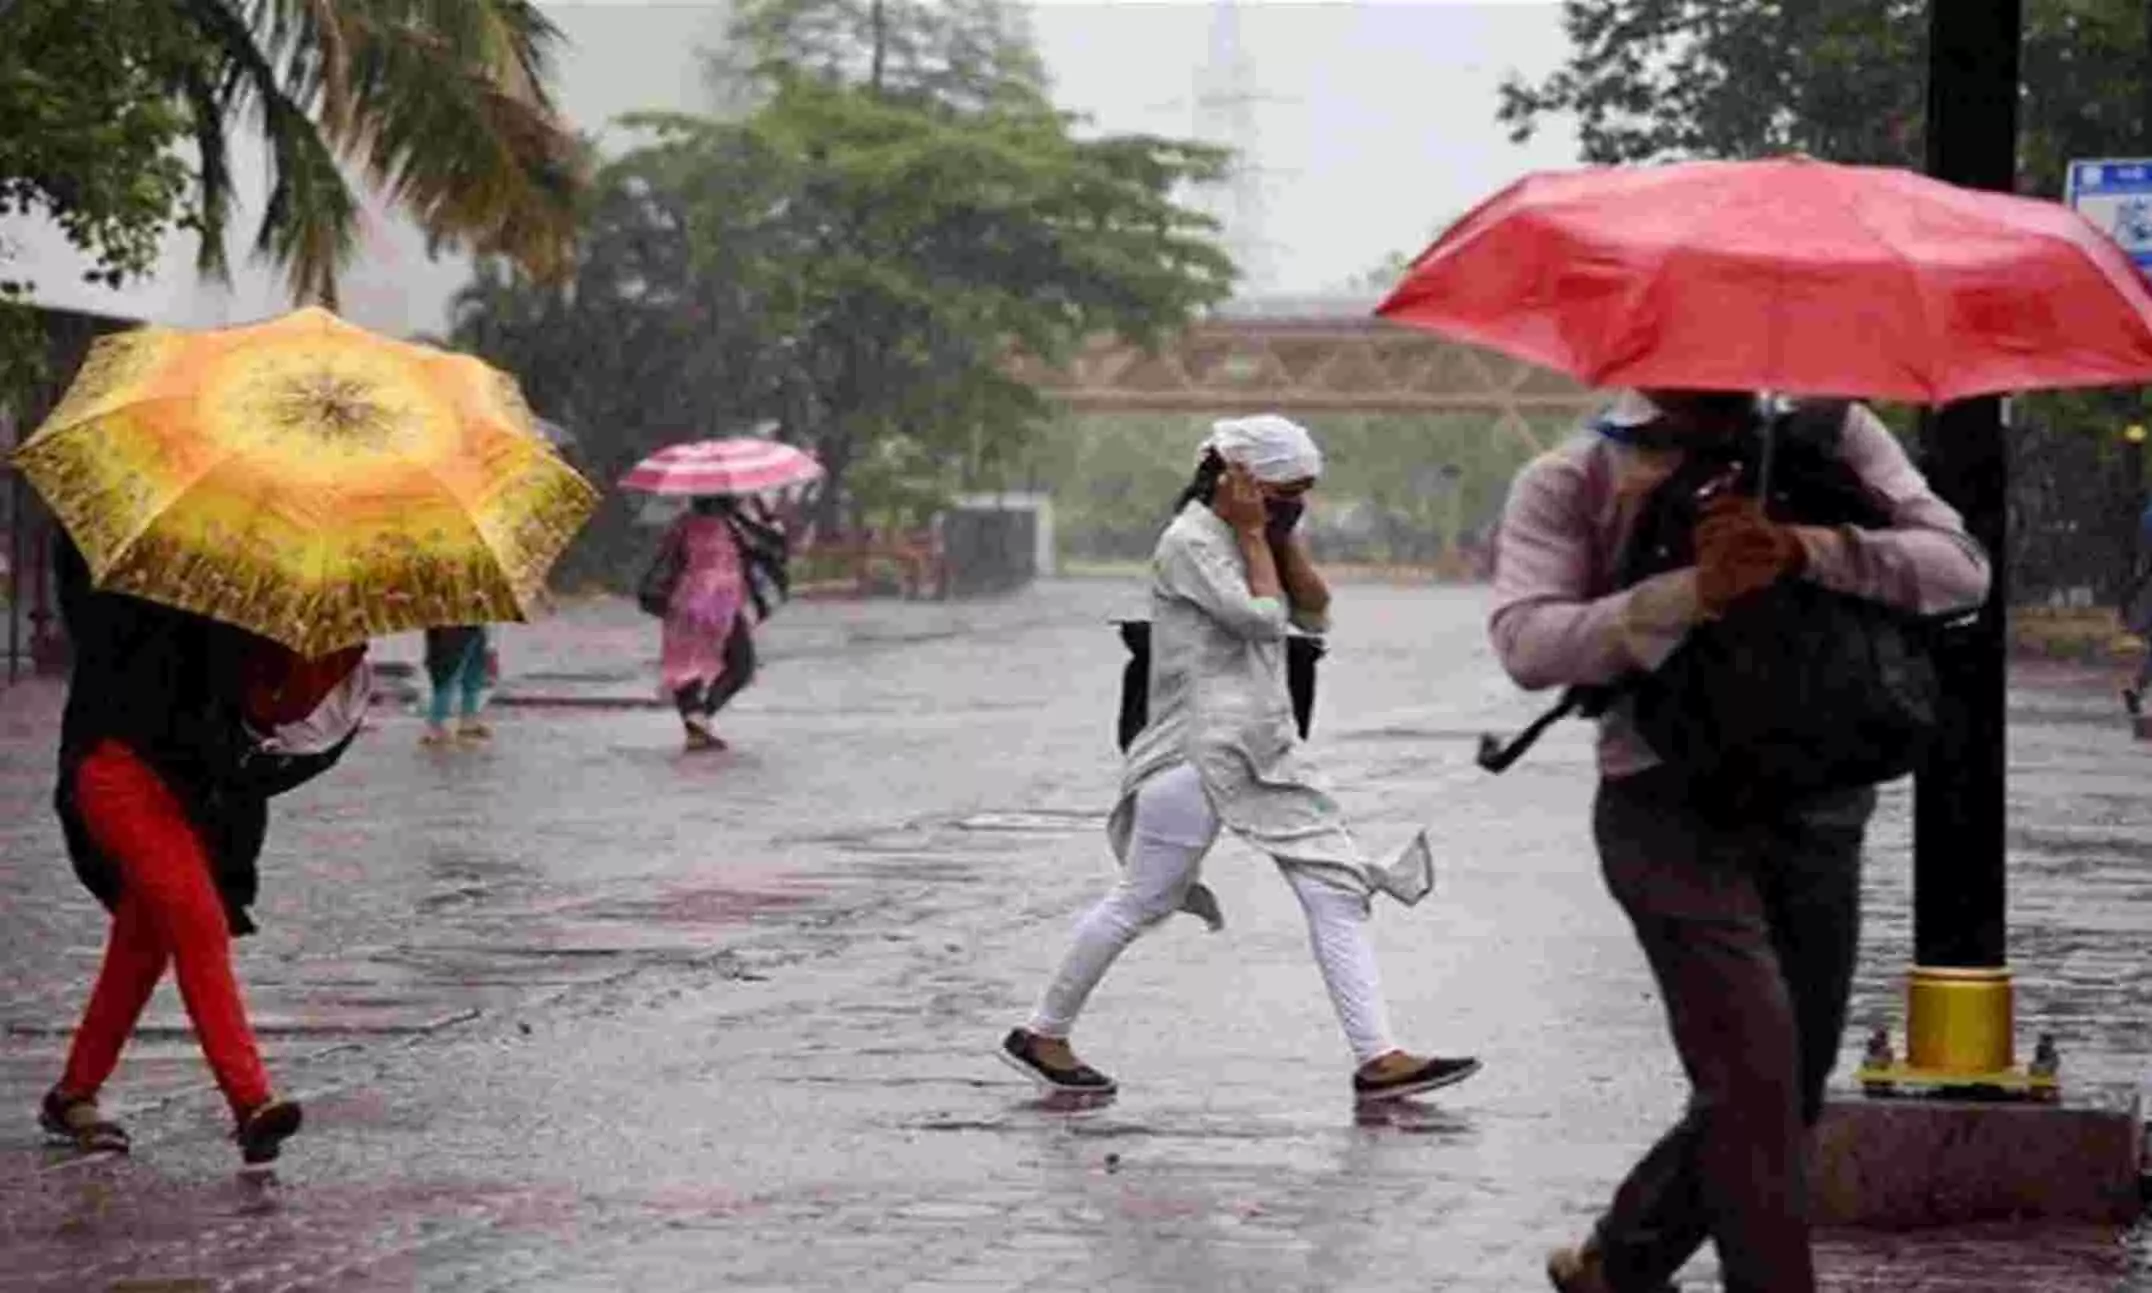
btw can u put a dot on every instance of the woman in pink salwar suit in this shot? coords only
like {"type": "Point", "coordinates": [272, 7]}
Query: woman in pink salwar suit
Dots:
{"type": "Point", "coordinates": [708, 657]}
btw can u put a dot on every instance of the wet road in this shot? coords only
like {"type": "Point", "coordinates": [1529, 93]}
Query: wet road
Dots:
{"type": "Point", "coordinates": [576, 1012]}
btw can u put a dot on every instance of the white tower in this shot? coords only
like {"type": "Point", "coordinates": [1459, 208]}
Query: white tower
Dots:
{"type": "Point", "coordinates": [1225, 115]}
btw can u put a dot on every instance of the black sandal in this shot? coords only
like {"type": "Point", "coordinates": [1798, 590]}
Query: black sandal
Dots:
{"type": "Point", "coordinates": [262, 1132]}
{"type": "Point", "coordinates": [1020, 1051]}
{"type": "Point", "coordinates": [77, 1122]}
{"type": "Point", "coordinates": [1428, 1075]}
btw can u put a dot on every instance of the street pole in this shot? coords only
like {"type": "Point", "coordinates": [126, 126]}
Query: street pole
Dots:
{"type": "Point", "coordinates": [1959, 998]}
{"type": "Point", "coordinates": [2133, 444]}
{"type": "Point", "coordinates": [1453, 526]}
{"type": "Point", "coordinates": [14, 543]}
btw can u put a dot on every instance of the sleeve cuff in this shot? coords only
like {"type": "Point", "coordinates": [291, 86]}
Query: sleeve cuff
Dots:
{"type": "Point", "coordinates": [1826, 554]}
{"type": "Point", "coordinates": [1660, 612]}
{"type": "Point", "coordinates": [1267, 618]}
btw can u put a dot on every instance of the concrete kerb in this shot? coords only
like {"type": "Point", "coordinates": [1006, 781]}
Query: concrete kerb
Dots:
{"type": "Point", "coordinates": [1906, 1164]}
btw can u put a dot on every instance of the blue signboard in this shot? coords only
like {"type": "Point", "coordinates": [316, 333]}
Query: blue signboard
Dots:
{"type": "Point", "coordinates": [2117, 196]}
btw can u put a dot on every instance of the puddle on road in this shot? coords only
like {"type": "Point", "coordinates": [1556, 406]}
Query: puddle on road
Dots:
{"type": "Point", "coordinates": [331, 1020]}
{"type": "Point", "coordinates": [1402, 733]}
{"type": "Point", "coordinates": [106, 1225]}
{"type": "Point", "coordinates": [937, 840]}
{"type": "Point", "coordinates": [1074, 1118]}
{"type": "Point", "coordinates": [942, 851]}
{"type": "Point", "coordinates": [912, 867]}
{"type": "Point", "coordinates": [462, 895]}
{"type": "Point", "coordinates": [1039, 821]}
{"type": "Point", "coordinates": [926, 843]}
{"type": "Point", "coordinates": [2064, 847]}
{"type": "Point", "coordinates": [1088, 1120]}
{"type": "Point", "coordinates": [639, 676]}
{"type": "Point", "coordinates": [709, 906]}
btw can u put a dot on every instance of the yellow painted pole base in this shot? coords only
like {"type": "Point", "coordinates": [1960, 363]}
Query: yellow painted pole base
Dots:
{"type": "Point", "coordinates": [1959, 1021]}
{"type": "Point", "coordinates": [1960, 1030]}
{"type": "Point", "coordinates": [2008, 1084]}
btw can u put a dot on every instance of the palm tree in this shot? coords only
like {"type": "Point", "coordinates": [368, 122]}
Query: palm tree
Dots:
{"type": "Point", "coordinates": [441, 104]}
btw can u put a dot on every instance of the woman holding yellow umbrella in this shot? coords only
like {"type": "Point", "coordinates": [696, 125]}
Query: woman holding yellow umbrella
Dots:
{"type": "Point", "coordinates": [244, 510]}
{"type": "Point", "coordinates": [163, 795]}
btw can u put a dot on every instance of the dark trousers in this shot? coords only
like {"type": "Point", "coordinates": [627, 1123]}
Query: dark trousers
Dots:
{"type": "Point", "coordinates": [1751, 926]}
{"type": "Point", "coordinates": [705, 699]}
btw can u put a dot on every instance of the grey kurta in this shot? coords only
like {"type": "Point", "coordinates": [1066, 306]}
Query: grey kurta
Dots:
{"type": "Point", "coordinates": [1218, 702]}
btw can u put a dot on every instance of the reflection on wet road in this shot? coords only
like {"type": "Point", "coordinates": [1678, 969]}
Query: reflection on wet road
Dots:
{"type": "Point", "coordinates": [578, 1012]}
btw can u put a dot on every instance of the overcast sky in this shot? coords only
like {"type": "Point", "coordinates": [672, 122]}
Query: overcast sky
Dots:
{"type": "Point", "coordinates": [1369, 123]}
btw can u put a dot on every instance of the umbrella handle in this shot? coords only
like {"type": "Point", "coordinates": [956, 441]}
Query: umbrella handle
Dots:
{"type": "Point", "coordinates": [1763, 465]}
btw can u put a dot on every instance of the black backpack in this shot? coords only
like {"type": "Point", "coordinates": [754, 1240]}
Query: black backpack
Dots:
{"type": "Point", "coordinates": [1797, 690]}
{"type": "Point", "coordinates": [765, 554]}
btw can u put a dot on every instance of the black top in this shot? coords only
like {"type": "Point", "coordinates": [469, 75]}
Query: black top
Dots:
{"type": "Point", "coordinates": [166, 683]}
{"type": "Point", "coordinates": [170, 686]}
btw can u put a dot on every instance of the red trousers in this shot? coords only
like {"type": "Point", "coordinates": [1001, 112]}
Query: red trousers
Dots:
{"type": "Point", "coordinates": [169, 913]}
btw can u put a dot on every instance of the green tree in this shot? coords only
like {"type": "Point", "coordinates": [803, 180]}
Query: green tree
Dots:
{"type": "Point", "coordinates": [1396, 487]}
{"type": "Point", "coordinates": [1840, 79]}
{"type": "Point", "coordinates": [958, 218]}
{"type": "Point", "coordinates": [1382, 276]}
{"type": "Point", "coordinates": [88, 137]}
{"type": "Point", "coordinates": [964, 54]}
{"type": "Point", "coordinates": [861, 255]}
{"type": "Point", "coordinates": [441, 105]}
{"type": "Point", "coordinates": [1653, 79]}
{"type": "Point", "coordinates": [943, 242]}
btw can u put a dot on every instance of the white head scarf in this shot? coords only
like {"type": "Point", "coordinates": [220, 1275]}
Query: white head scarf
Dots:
{"type": "Point", "coordinates": [1274, 449]}
{"type": "Point", "coordinates": [1631, 409]}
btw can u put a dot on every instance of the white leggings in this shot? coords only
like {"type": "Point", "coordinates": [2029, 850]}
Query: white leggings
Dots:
{"type": "Point", "coordinates": [1174, 827]}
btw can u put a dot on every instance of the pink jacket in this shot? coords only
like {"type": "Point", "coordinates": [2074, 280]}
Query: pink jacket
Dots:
{"type": "Point", "coordinates": [1558, 621]}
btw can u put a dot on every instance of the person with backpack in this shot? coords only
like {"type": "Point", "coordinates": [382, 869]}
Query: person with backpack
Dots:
{"type": "Point", "coordinates": [1737, 863]}
{"type": "Point", "coordinates": [1219, 748]}
{"type": "Point", "coordinates": [718, 560]}
{"type": "Point", "coordinates": [178, 731]}
{"type": "Point", "coordinates": [2137, 614]}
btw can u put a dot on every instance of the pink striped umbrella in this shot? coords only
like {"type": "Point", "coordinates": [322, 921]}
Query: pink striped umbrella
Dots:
{"type": "Point", "coordinates": [736, 466]}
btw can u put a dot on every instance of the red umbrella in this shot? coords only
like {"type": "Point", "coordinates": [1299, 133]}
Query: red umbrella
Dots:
{"type": "Point", "coordinates": [736, 466]}
{"type": "Point", "coordinates": [1791, 275]}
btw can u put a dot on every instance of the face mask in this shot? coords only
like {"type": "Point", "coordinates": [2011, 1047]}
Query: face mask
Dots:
{"type": "Point", "coordinates": [1284, 515]}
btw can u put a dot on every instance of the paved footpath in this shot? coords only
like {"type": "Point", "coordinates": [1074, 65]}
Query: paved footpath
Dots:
{"type": "Point", "coordinates": [576, 1012]}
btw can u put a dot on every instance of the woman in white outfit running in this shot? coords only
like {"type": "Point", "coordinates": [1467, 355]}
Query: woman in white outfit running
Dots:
{"type": "Point", "coordinates": [1231, 576]}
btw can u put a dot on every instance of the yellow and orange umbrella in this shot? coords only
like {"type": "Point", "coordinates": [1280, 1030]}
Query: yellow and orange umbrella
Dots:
{"type": "Point", "coordinates": [306, 480]}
